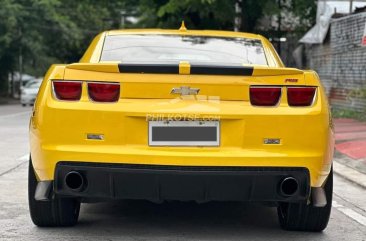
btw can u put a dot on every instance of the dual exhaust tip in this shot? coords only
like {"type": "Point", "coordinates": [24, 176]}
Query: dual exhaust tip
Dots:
{"type": "Point", "coordinates": [289, 187]}
{"type": "Point", "coordinates": [75, 181]}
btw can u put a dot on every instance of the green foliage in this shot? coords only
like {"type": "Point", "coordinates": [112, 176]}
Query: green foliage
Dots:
{"type": "Point", "coordinates": [50, 31]}
{"type": "Point", "coordinates": [357, 93]}
{"type": "Point", "coordinates": [348, 113]}
{"type": "Point", "coordinates": [198, 14]}
{"type": "Point", "coordinates": [9, 37]}
{"type": "Point", "coordinates": [253, 10]}
{"type": "Point", "coordinates": [220, 14]}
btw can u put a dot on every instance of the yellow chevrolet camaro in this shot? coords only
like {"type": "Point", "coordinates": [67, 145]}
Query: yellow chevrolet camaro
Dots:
{"type": "Point", "coordinates": [181, 115]}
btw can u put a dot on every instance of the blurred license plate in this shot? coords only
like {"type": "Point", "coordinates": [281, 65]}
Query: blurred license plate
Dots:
{"type": "Point", "coordinates": [184, 133]}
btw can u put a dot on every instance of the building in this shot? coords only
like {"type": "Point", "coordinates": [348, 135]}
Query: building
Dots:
{"type": "Point", "coordinates": [333, 47]}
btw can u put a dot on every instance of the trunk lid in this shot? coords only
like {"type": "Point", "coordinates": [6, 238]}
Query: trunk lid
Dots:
{"type": "Point", "coordinates": [144, 81]}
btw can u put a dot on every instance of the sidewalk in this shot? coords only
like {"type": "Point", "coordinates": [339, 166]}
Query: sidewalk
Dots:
{"type": "Point", "coordinates": [350, 154]}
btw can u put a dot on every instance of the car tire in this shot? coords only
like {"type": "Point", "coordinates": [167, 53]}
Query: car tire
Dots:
{"type": "Point", "coordinates": [306, 217]}
{"type": "Point", "coordinates": [57, 212]}
{"type": "Point", "coordinates": [24, 105]}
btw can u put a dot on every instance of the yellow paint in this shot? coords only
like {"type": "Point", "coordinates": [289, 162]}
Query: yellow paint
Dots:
{"type": "Point", "coordinates": [58, 128]}
{"type": "Point", "coordinates": [183, 27]}
{"type": "Point", "coordinates": [93, 53]}
{"type": "Point", "coordinates": [266, 71]}
{"type": "Point", "coordinates": [184, 67]}
{"type": "Point", "coordinates": [111, 67]}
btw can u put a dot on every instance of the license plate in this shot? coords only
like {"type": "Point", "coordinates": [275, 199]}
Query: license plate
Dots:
{"type": "Point", "coordinates": [184, 133]}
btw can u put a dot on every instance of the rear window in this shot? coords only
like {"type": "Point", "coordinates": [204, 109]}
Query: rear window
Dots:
{"type": "Point", "coordinates": [176, 48]}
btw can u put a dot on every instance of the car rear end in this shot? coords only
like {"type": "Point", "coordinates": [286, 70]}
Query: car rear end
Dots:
{"type": "Point", "coordinates": [184, 130]}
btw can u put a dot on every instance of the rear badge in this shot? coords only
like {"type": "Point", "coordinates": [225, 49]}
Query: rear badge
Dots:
{"type": "Point", "coordinates": [291, 80]}
{"type": "Point", "coordinates": [185, 90]}
{"type": "Point", "coordinates": [272, 141]}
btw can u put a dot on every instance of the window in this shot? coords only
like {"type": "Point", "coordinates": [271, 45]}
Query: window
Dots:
{"type": "Point", "coordinates": [175, 48]}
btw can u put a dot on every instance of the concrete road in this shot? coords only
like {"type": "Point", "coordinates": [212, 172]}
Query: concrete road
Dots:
{"type": "Point", "coordinates": [138, 220]}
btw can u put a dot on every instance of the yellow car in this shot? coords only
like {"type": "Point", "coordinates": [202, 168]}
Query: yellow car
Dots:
{"type": "Point", "coordinates": [181, 115]}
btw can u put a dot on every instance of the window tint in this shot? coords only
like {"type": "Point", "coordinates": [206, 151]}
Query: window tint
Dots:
{"type": "Point", "coordinates": [176, 48]}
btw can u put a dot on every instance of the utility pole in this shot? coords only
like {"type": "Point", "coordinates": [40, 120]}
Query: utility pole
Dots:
{"type": "Point", "coordinates": [238, 17]}
{"type": "Point", "coordinates": [123, 18]}
{"type": "Point", "coordinates": [350, 6]}
{"type": "Point", "coordinates": [14, 88]}
{"type": "Point", "coordinates": [279, 34]}
{"type": "Point", "coordinates": [20, 68]}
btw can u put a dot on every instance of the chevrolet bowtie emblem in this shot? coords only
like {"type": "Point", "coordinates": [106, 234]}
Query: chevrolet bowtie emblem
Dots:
{"type": "Point", "coordinates": [185, 90]}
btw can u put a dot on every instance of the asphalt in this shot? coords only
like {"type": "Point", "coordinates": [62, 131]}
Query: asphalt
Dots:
{"type": "Point", "coordinates": [140, 220]}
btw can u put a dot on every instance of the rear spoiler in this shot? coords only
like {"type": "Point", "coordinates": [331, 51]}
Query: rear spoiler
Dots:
{"type": "Point", "coordinates": [185, 68]}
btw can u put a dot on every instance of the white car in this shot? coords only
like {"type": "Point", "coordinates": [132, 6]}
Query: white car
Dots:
{"type": "Point", "coordinates": [29, 92]}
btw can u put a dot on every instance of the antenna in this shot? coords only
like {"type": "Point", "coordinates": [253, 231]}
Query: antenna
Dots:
{"type": "Point", "coordinates": [183, 27]}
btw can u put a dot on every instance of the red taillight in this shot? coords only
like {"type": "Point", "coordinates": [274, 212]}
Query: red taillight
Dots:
{"type": "Point", "coordinates": [104, 92]}
{"type": "Point", "coordinates": [300, 96]}
{"type": "Point", "coordinates": [265, 96]}
{"type": "Point", "coordinates": [67, 90]}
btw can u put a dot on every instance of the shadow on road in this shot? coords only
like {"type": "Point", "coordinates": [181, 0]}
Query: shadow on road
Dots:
{"type": "Point", "coordinates": [181, 220]}
{"type": "Point", "coordinates": [179, 214]}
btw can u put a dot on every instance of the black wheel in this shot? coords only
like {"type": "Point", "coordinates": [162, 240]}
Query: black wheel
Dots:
{"type": "Point", "coordinates": [56, 212]}
{"type": "Point", "coordinates": [24, 105]}
{"type": "Point", "coordinates": [304, 217]}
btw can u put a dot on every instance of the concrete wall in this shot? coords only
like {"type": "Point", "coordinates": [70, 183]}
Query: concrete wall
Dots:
{"type": "Point", "coordinates": [321, 62]}
{"type": "Point", "coordinates": [341, 61]}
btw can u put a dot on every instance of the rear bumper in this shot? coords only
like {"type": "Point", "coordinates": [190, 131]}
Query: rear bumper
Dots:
{"type": "Point", "coordinates": [59, 132]}
{"type": "Point", "coordinates": [184, 183]}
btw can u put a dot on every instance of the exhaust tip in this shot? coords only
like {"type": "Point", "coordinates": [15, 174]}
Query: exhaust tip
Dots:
{"type": "Point", "coordinates": [74, 181]}
{"type": "Point", "coordinates": [289, 186]}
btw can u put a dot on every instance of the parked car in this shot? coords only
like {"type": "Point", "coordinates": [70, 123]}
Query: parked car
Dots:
{"type": "Point", "coordinates": [181, 115]}
{"type": "Point", "coordinates": [29, 92]}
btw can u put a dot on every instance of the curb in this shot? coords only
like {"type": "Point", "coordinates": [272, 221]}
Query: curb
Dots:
{"type": "Point", "coordinates": [9, 101]}
{"type": "Point", "coordinates": [349, 173]}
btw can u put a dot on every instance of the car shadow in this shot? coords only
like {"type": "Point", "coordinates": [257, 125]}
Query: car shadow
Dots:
{"type": "Point", "coordinates": [181, 220]}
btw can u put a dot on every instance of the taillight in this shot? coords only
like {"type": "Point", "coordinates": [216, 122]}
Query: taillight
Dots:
{"type": "Point", "coordinates": [300, 96]}
{"type": "Point", "coordinates": [264, 96]}
{"type": "Point", "coordinates": [104, 92]}
{"type": "Point", "coordinates": [67, 90]}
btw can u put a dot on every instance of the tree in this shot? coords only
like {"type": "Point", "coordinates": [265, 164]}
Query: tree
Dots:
{"type": "Point", "coordinates": [44, 32]}
{"type": "Point", "coordinates": [198, 14]}
{"type": "Point", "coordinates": [9, 38]}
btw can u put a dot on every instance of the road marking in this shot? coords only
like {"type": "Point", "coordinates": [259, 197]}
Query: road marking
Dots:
{"type": "Point", "coordinates": [23, 159]}
{"type": "Point", "coordinates": [15, 114]}
{"type": "Point", "coordinates": [350, 174]}
{"type": "Point", "coordinates": [350, 213]}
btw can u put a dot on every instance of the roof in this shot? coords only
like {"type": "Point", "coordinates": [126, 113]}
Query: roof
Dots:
{"type": "Point", "coordinates": [185, 32]}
